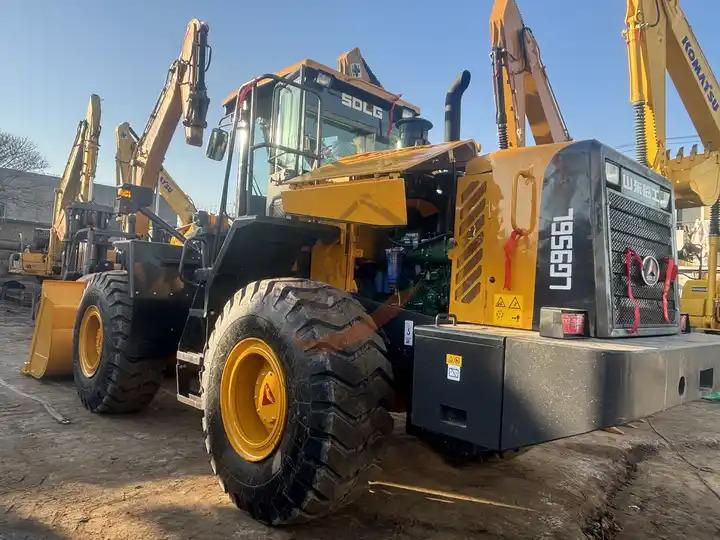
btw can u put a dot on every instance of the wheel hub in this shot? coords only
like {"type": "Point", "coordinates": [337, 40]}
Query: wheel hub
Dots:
{"type": "Point", "coordinates": [90, 343]}
{"type": "Point", "coordinates": [253, 399]}
{"type": "Point", "coordinates": [266, 402]}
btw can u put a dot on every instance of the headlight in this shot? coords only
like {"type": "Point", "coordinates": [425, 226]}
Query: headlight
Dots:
{"type": "Point", "coordinates": [323, 79]}
{"type": "Point", "coordinates": [612, 173]}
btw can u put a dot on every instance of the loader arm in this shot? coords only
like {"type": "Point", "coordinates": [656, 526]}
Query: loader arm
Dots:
{"type": "Point", "coordinates": [179, 202]}
{"type": "Point", "coordinates": [184, 97]}
{"type": "Point", "coordinates": [77, 179]}
{"type": "Point", "coordinates": [522, 87]}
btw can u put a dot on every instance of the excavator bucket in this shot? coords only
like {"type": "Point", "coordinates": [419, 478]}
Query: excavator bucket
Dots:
{"type": "Point", "coordinates": [51, 347]}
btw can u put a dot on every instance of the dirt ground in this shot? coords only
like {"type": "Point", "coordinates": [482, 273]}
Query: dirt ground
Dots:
{"type": "Point", "coordinates": [146, 476]}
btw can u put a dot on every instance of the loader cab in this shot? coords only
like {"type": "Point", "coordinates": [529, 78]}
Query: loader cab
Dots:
{"type": "Point", "coordinates": [300, 117]}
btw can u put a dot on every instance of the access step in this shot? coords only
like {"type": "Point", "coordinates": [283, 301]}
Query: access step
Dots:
{"type": "Point", "coordinates": [188, 378]}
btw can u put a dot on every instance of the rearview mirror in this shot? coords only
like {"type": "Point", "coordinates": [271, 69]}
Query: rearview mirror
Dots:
{"type": "Point", "coordinates": [217, 144]}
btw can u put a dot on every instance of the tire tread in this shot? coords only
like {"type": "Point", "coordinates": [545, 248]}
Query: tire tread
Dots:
{"type": "Point", "coordinates": [130, 384]}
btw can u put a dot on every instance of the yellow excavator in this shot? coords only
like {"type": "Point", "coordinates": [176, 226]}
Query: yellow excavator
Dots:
{"type": "Point", "coordinates": [44, 257]}
{"type": "Point", "coordinates": [521, 84]}
{"type": "Point", "coordinates": [54, 257]}
{"type": "Point", "coordinates": [661, 41]}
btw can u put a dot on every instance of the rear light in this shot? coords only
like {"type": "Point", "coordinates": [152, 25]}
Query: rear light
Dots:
{"type": "Point", "coordinates": [563, 323]}
{"type": "Point", "coordinates": [573, 324]}
{"type": "Point", "coordinates": [685, 323]}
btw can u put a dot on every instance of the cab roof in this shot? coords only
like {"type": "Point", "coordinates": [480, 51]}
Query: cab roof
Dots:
{"type": "Point", "coordinates": [368, 87]}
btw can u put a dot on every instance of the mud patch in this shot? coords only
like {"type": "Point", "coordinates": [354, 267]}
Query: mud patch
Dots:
{"type": "Point", "coordinates": [602, 524]}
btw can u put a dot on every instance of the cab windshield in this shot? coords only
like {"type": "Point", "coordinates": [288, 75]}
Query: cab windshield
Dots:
{"type": "Point", "coordinates": [340, 140]}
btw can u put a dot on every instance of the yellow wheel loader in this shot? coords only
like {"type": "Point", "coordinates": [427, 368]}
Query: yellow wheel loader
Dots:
{"type": "Point", "coordinates": [500, 300]}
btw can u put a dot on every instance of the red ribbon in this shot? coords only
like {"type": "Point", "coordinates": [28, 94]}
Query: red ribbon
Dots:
{"type": "Point", "coordinates": [509, 248]}
{"type": "Point", "coordinates": [670, 275]}
{"type": "Point", "coordinates": [390, 114]}
{"type": "Point", "coordinates": [245, 90]}
{"type": "Point", "coordinates": [630, 257]}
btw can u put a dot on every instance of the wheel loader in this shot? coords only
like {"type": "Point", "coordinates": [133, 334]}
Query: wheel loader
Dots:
{"type": "Point", "coordinates": [500, 300]}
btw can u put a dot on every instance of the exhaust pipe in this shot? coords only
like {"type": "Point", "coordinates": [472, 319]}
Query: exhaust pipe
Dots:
{"type": "Point", "coordinates": [452, 106]}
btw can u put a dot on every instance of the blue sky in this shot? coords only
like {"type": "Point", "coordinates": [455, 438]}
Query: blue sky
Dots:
{"type": "Point", "coordinates": [55, 53]}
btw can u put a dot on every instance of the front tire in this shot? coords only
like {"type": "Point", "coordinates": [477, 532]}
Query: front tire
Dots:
{"type": "Point", "coordinates": [312, 366]}
{"type": "Point", "coordinates": [107, 378]}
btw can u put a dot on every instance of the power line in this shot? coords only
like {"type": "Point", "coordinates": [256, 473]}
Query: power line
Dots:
{"type": "Point", "coordinates": [675, 140]}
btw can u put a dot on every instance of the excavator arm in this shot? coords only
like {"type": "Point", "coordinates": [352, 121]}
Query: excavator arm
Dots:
{"type": "Point", "coordinates": [77, 179]}
{"type": "Point", "coordinates": [660, 40]}
{"type": "Point", "coordinates": [184, 97]}
{"type": "Point", "coordinates": [180, 202]}
{"type": "Point", "coordinates": [522, 88]}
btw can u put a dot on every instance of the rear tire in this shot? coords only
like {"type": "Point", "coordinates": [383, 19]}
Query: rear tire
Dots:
{"type": "Point", "coordinates": [337, 388]}
{"type": "Point", "coordinates": [111, 381]}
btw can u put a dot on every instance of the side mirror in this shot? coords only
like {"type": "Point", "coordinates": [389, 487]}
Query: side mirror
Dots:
{"type": "Point", "coordinates": [217, 145]}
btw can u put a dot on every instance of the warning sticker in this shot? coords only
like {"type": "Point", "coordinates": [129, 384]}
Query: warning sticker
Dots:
{"type": "Point", "coordinates": [454, 366]}
{"type": "Point", "coordinates": [508, 310]}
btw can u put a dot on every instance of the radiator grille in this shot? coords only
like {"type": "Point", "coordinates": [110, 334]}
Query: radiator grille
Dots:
{"type": "Point", "coordinates": [470, 239]}
{"type": "Point", "coordinates": [648, 232]}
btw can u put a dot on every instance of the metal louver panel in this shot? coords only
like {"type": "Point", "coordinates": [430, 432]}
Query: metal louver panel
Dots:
{"type": "Point", "coordinates": [470, 239]}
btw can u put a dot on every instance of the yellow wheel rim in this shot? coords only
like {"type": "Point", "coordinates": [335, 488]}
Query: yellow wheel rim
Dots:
{"type": "Point", "coordinates": [91, 341]}
{"type": "Point", "coordinates": [253, 399]}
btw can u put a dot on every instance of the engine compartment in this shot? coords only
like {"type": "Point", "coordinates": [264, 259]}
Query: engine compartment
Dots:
{"type": "Point", "coordinates": [411, 262]}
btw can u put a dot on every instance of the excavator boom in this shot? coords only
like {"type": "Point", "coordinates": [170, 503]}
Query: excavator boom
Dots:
{"type": "Point", "coordinates": [184, 97]}
{"type": "Point", "coordinates": [522, 87]}
{"type": "Point", "coordinates": [179, 202]}
{"type": "Point", "coordinates": [77, 179]}
{"type": "Point", "coordinates": [660, 40]}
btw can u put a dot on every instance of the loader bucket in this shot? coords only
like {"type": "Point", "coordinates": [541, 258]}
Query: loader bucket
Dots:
{"type": "Point", "coordinates": [51, 347]}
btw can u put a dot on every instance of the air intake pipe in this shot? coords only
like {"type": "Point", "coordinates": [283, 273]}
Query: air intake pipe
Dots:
{"type": "Point", "coordinates": [413, 131]}
{"type": "Point", "coordinates": [452, 106]}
